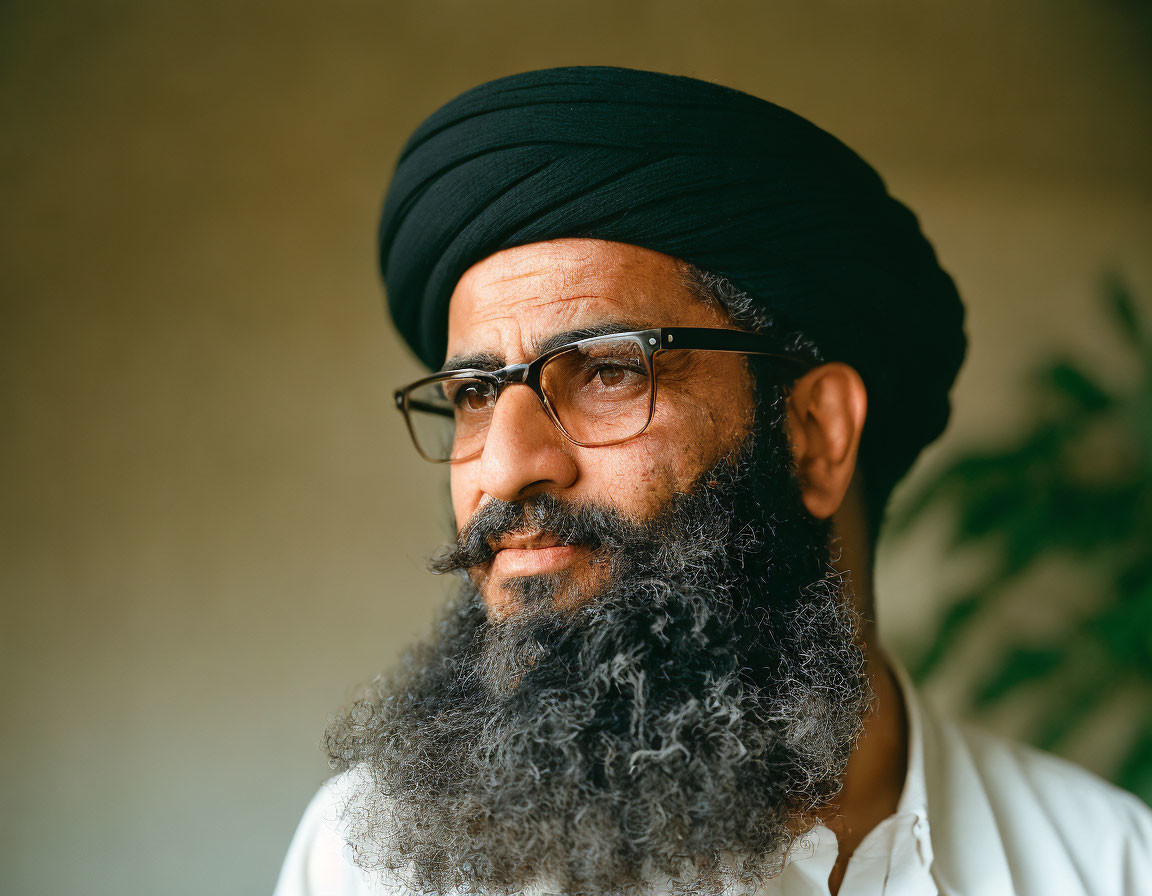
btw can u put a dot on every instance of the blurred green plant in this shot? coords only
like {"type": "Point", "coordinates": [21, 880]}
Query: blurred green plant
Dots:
{"type": "Point", "coordinates": [1076, 484]}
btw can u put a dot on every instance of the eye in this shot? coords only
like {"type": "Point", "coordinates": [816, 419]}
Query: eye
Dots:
{"type": "Point", "coordinates": [613, 375]}
{"type": "Point", "coordinates": [475, 396]}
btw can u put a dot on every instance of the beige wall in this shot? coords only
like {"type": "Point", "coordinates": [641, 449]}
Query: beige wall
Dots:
{"type": "Point", "coordinates": [212, 523]}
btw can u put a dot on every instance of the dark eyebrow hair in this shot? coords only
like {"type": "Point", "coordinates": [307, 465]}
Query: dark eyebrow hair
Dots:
{"type": "Point", "coordinates": [605, 328]}
{"type": "Point", "coordinates": [474, 361]}
{"type": "Point", "coordinates": [492, 361]}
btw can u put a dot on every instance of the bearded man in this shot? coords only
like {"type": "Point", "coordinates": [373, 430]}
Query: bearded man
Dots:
{"type": "Point", "coordinates": [686, 343]}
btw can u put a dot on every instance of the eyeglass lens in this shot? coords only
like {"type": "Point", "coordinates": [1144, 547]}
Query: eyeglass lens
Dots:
{"type": "Point", "coordinates": [600, 392]}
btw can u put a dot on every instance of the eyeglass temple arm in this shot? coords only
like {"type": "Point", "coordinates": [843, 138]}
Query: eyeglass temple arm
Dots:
{"type": "Point", "coordinates": [724, 341]}
{"type": "Point", "coordinates": [425, 406]}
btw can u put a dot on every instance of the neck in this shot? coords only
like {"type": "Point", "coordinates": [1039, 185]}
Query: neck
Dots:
{"type": "Point", "coordinates": [874, 778]}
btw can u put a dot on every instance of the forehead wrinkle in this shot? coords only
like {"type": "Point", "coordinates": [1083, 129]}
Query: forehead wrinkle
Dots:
{"type": "Point", "coordinates": [530, 295]}
{"type": "Point", "coordinates": [504, 305]}
{"type": "Point", "coordinates": [563, 330]}
{"type": "Point", "coordinates": [601, 327]}
{"type": "Point", "coordinates": [511, 278]}
{"type": "Point", "coordinates": [534, 317]}
{"type": "Point", "coordinates": [565, 301]}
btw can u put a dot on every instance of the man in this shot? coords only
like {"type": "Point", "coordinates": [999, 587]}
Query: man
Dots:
{"type": "Point", "coordinates": [686, 344]}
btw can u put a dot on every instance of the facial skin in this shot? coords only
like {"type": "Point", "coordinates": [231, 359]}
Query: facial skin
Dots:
{"type": "Point", "coordinates": [513, 299]}
{"type": "Point", "coordinates": [689, 691]}
{"type": "Point", "coordinates": [685, 721]}
{"type": "Point", "coordinates": [504, 307]}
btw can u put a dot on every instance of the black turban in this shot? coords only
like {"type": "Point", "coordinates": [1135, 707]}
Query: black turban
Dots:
{"type": "Point", "coordinates": [729, 182]}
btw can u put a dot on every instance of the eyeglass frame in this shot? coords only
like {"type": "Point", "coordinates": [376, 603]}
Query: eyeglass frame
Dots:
{"type": "Point", "coordinates": [651, 341]}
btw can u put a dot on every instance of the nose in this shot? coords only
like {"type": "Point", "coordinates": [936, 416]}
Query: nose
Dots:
{"type": "Point", "coordinates": [523, 451]}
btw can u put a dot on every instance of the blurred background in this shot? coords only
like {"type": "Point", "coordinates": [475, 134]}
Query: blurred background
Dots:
{"type": "Point", "coordinates": [213, 525]}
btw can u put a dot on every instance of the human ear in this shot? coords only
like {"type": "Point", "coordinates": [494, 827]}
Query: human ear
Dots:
{"type": "Point", "coordinates": [826, 411]}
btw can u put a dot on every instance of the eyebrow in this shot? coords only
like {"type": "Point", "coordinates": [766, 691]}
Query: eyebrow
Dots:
{"type": "Point", "coordinates": [475, 361]}
{"type": "Point", "coordinates": [492, 361]}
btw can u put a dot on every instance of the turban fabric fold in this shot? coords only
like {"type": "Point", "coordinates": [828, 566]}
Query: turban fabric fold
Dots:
{"type": "Point", "coordinates": [728, 182]}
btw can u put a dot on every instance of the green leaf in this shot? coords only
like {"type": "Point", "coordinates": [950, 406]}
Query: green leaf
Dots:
{"type": "Point", "coordinates": [1021, 664]}
{"type": "Point", "coordinates": [956, 619]}
{"type": "Point", "coordinates": [1123, 308]}
{"type": "Point", "coordinates": [1077, 385]}
{"type": "Point", "coordinates": [1082, 700]}
{"type": "Point", "coordinates": [942, 486]}
{"type": "Point", "coordinates": [1088, 518]}
{"type": "Point", "coordinates": [1135, 573]}
{"type": "Point", "coordinates": [1135, 770]}
{"type": "Point", "coordinates": [1124, 627]}
{"type": "Point", "coordinates": [1076, 484]}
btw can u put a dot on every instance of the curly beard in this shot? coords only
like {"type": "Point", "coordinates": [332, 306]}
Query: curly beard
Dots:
{"type": "Point", "coordinates": [677, 730]}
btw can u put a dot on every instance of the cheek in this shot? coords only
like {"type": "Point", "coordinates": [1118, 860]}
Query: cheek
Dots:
{"type": "Point", "coordinates": [464, 491]}
{"type": "Point", "coordinates": [636, 481]}
{"type": "Point", "coordinates": [688, 437]}
{"type": "Point", "coordinates": [639, 477]}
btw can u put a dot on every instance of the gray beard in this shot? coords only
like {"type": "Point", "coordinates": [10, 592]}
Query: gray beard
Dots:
{"type": "Point", "coordinates": [678, 729]}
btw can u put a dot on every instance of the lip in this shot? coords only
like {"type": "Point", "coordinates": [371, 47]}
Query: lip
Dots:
{"type": "Point", "coordinates": [533, 554]}
{"type": "Point", "coordinates": [526, 541]}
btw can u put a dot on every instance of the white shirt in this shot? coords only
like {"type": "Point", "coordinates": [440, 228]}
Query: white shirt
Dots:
{"type": "Point", "coordinates": [978, 816]}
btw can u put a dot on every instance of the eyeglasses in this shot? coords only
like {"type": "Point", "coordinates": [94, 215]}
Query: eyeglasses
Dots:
{"type": "Point", "coordinates": [598, 391]}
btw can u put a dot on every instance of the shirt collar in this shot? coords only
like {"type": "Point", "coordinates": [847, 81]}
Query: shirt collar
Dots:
{"type": "Point", "coordinates": [896, 855]}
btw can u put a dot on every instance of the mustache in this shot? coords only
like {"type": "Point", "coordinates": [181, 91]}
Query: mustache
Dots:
{"type": "Point", "coordinates": [585, 525]}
